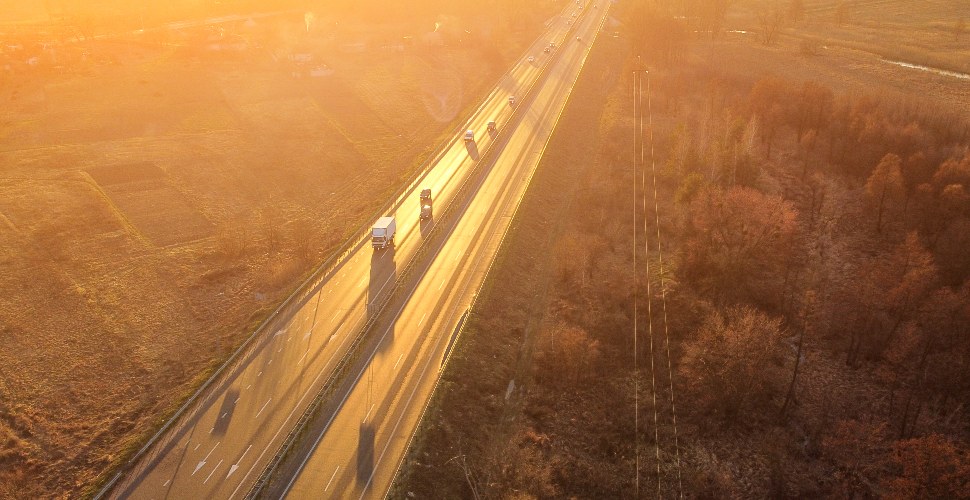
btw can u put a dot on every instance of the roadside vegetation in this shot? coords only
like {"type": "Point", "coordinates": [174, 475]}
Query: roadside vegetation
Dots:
{"type": "Point", "coordinates": [162, 191]}
{"type": "Point", "coordinates": [814, 284]}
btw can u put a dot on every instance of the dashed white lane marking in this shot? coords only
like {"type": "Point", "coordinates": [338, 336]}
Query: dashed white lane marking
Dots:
{"type": "Point", "coordinates": [334, 318]}
{"type": "Point", "coordinates": [441, 285]}
{"type": "Point", "coordinates": [303, 357]}
{"type": "Point", "coordinates": [236, 401]}
{"type": "Point", "coordinates": [270, 362]}
{"type": "Point", "coordinates": [331, 338]}
{"type": "Point", "coordinates": [166, 483]}
{"type": "Point", "coordinates": [213, 471]}
{"type": "Point", "coordinates": [260, 374]}
{"type": "Point", "coordinates": [264, 407]}
{"type": "Point", "coordinates": [248, 386]}
{"type": "Point", "coordinates": [280, 349]}
{"type": "Point", "coordinates": [422, 318]}
{"type": "Point", "coordinates": [308, 332]}
{"type": "Point", "coordinates": [361, 282]}
{"type": "Point", "coordinates": [368, 412]}
{"type": "Point", "coordinates": [331, 479]}
{"type": "Point", "coordinates": [202, 462]}
{"type": "Point", "coordinates": [224, 415]}
{"type": "Point", "coordinates": [398, 361]}
{"type": "Point", "coordinates": [236, 465]}
{"type": "Point", "coordinates": [197, 447]}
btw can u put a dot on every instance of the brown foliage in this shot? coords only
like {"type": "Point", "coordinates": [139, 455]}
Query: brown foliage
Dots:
{"type": "Point", "coordinates": [733, 366]}
{"type": "Point", "coordinates": [859, 451]}
{"type": "Point", "coordinates": [885, 186]}
{"type": "Point", "coordinates": [739, 238]}
{"type": "Point", "coordinates": [930, 467]}
{"type": "Point", "coordinates": [567, 355]}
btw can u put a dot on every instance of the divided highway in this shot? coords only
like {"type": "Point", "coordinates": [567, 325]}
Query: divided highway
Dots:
{"type": "Point", "coordinates": [357, 452]}
{"type": "Point", "coordinates": [221, 444]}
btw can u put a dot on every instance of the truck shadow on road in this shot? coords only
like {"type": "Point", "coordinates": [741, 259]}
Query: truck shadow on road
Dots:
{"type": "Point", "coordinates": [225, 412]}
{"type": "Point", "coordinates": [472, 150]}
{"type": "Point", "coordinates": [383, 274]}
{"type": "Point", "coordinates": [365, 454]}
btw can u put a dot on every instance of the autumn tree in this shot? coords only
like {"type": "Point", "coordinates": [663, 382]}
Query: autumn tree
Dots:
{"type": "Point", "coordinates": [929, 467]}
{"type": "Point", "coordinates": [734, 363]}
{"type": "Point", "coordinates": [885, 186]}
{"type": "Point", "coordinates": [738, 239]}
{"type": "Point", "coordinates": [567, 354]}
{"type": "Point", "coordinates": [768, 98]}
{"type": "Point", "coordinates": [859, 452]}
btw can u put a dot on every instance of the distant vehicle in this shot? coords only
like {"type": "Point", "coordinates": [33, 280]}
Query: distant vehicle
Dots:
{"type": "Point", "coordinates": [552, 45]}
{"type": "Point", "coordinates": [579, 39]}
{"type": "Point", "coordinates": [491, 126]}
{"type": "Point", "coordinates": [546, 50]}
{"type": "Point", "coordinates": [382, 236]}
{"type": "Point", "coordinates": [425, 203]}
{"type": "Point", "coordinates": [511, 100]}
{"type": "Point", "coordinates": [532, 59]}
{"type": "Point", "coordinates": [469, 135]}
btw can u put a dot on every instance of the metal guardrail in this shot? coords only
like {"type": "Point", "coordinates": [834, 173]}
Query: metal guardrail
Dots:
{"type": "Point", "coordinates": [157, 442]}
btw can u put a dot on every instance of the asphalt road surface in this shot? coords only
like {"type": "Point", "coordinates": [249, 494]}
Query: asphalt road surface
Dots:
{"type": "Point", "coordinates": [223, 442]}
{"type": "Point", "coordinates": [357, 453]}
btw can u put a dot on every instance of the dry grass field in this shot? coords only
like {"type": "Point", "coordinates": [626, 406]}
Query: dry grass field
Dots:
{"type": "Point", "coordinates": [158, 197]}
{"type": "Point", "coordinates": [931, 33]}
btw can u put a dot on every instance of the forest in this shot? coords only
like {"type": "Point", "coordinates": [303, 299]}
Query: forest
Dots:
{"type": "Point", "coordinates": [798, 322]}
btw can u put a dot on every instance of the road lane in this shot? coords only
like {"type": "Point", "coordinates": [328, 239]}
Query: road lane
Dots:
{"type": "Point", "coordinates": [357, 453]}
{"type": "Point", "coordinates": [223, 442]}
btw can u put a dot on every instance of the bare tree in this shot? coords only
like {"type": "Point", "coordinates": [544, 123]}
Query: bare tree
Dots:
{"type": "Point", "coordinates": [959, 27]}
{"type": "Point", "coordinates": [841, 14]}
{"type": "Point", "coordinates": [796, 11]}
{"type": "Point", "coordinates": [771, 21]}
{"type": "Point", "coordinates": [885, 185]}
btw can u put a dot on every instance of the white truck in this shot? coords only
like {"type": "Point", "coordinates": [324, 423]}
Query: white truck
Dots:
{"type": "Point", "coordinates": [382, 235]}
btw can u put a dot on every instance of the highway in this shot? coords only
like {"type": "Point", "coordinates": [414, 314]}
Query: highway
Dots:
{"type": "Point", "coordinates": [357, 452]}
{"type": "Point", "coordinates": [224, 440]}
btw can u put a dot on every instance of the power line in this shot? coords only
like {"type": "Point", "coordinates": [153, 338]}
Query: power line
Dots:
{"type": "Point", "coordinates": [663, 294]}
{"type": "Point", "coordinates": [636, 368]}
{"type": "Point", "coordinates": [646, 249]}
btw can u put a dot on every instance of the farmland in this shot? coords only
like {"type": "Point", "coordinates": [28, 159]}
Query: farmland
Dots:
{"type": "Point", "coordinates": [160, 193]}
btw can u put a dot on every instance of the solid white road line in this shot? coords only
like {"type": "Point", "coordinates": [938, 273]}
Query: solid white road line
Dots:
{"type": "Point", "coordinates": [202, 462]}
{"type": "Point", "coordinates": [264, 407]}
{"type": "Point", "coordinates": [236, 465]}
{"type": "Point", "coordinates": [213, 471]}
{"type": "Point", "coordinates": [425, 315]}
{"type": "Point", "coordinates": [398, 361]}
{"type": "Point", "coordinates": [331, 479]}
